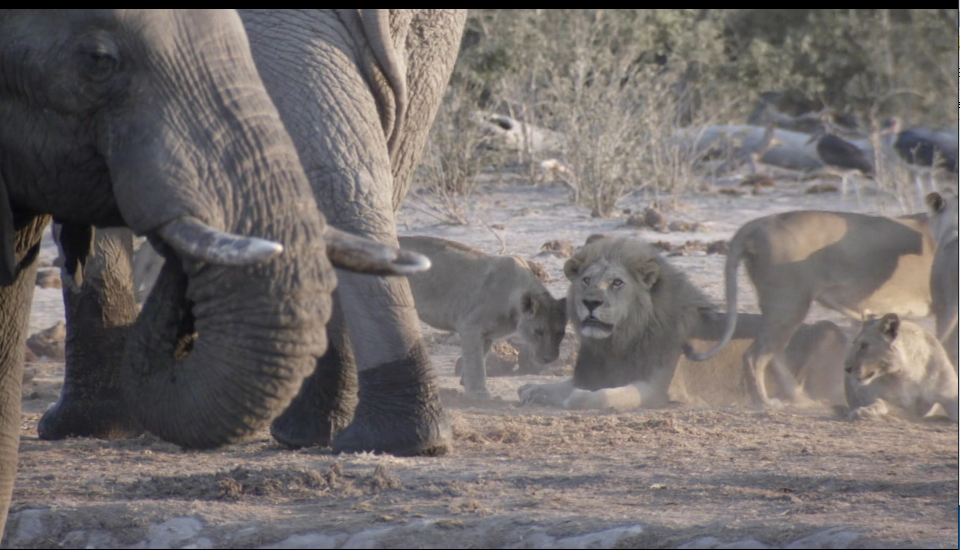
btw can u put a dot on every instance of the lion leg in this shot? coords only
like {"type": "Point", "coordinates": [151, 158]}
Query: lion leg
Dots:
{"type": "Point", "coordinates": [474, 375]}
{"type": "Point", "coordinates": [623, 398]}
{"type": "Point", "coordinates": [779, 321]}
{"type": "Point", "coordinates": [553, 394]}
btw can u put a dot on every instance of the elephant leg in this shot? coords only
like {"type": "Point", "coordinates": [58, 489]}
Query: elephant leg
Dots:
{"type": "Point", "coordinates": [399, 410]}
{"type": "Point", "coordinates": [99, 311]}
{"type": "Point", "coordinates": [15, 303]}
{"type": "Point", "coordinates": [327, 398]}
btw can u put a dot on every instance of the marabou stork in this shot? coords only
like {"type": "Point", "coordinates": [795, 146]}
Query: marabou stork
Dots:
{"type": "Point", "coordinates": [922, 146]}
{"type": "Point", "coordinates": [838, 153]}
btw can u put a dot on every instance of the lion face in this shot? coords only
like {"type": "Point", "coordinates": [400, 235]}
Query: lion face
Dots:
{"type": "Point", "coordinates": [543, 323]}
{"type": "Point", "coordinates": [871, 354]}
{"type": "Point", "coordinates": [604, 293]}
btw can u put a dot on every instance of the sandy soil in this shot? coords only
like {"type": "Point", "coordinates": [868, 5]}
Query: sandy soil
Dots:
{"type": "Point", "coordinates": [518, 476]}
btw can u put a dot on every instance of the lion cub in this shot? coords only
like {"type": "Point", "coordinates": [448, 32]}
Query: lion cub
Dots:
{"type": "Point", "coordinates": [943, 275]}
{"type": "Point", "coordinates": [897, 362]}
{"type": "Point", "coordinates": [484, 298]}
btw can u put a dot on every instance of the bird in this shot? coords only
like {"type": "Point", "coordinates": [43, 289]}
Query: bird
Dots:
{"type": "Point", "coordinates": [922, 146]}
{"type": "Point", "coordinates": [838, 153]}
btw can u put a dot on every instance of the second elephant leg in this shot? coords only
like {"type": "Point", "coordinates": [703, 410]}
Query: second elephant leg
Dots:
{"type": "Point", "coordinates": [399, 410]}
{"type": "Point", "coordinates": [99, 314]}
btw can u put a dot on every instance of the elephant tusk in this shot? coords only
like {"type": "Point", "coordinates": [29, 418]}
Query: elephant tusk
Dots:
{"type": "Point", "coordinates": [191, 238]}
{"type": "Point", "coordinates": [363, 255]}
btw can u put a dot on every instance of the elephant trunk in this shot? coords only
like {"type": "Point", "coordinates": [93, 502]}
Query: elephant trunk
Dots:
{"type": "Point", "coordinates": [203, 374]}
{"type": "Point", "coordinates": [236, 319]}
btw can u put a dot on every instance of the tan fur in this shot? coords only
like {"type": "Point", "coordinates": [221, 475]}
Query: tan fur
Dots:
{"type": "Point", "coordinates": [895, 362]}
{"type": "Point", "coordinates": [814, 357]}
{"type": "Point", "coordinates": [846, 262]}
{"type": "Point", "coordinates": [484, 298]}
{"type": "Point", "coordinates": [943, 277]}
{"type": "Point", "coordinates": [632, 313]}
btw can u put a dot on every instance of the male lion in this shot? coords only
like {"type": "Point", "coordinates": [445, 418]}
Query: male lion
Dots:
{"type": "Point", "coordinates": [844, 261]}
{"type": "Point", "coordinates": [943, 277]}
{"type": "Point", "coordinates": [897, 362]}
{"type": "Point", "coordinates": [632, 313]}
{"type": "Point", "coordinates": [484, 298]}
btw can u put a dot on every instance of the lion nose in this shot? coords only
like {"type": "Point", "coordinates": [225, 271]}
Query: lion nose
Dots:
{"type": "Point", "coordinates": [592, 304]}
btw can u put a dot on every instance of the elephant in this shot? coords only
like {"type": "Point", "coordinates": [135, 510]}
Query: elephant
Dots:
{"type": "Point", "coordinates": [357, 90]}
{"type": "Point", "coordinates": [157, 120]}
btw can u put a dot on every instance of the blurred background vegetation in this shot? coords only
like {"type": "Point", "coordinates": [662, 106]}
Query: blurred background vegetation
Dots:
{"type": "Point", "coordinates": [618, 83]}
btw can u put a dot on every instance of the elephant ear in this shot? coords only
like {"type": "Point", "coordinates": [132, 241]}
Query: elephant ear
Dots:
{"type": "Point", "coordinates": [76, 242]}
{"type": "Point", "coordinates": [8, 261]}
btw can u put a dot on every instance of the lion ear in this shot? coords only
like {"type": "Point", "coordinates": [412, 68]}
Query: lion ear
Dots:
{"type": "Point", "coordinates": [890, 325]}
{"type": "Point", "coordinates": [595, 237]}
{"type": "Point", "coordinates": [648, 273]}
{"type": "Point", "coordinates": [936, 202]}
{"type": "Point", "coordinates": [529, 304]}
{"type": "Point", "coordinates": [572, 268]}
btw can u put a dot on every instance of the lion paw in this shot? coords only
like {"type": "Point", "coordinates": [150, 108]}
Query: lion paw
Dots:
{"type": "Point", "coordinates": [532, 394]}
{"type": "Point", "coordinates": [578, 400]}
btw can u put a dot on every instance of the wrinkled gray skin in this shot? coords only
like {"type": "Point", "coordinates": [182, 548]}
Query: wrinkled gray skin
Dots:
{"type": "Point", "coordinates": [357, 90]}
{"type": "Point", "coordinates": [144, 118]}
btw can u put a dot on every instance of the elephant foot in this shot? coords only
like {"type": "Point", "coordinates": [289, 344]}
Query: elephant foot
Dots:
{"type": "Point", "coordinates": [324, 405]}
{"type": "Point", "coordinates": [399, 411]}
{"type": "Point", "coordinates": [78, 415]}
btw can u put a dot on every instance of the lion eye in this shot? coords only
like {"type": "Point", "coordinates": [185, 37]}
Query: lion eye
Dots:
{"type": "Point", "coordinates": [617, 283]}
{"type": "Point", "coordinates": [585, 281]}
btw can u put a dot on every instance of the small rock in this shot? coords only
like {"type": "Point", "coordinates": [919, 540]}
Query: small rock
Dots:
{"type": "Point", "coordinates": [732, 191]}
{"type": "Point", "coordinates": [837, 538]}
{"type": "Point", "coordinates": [560, 249]}
{"type": "Point", "coordinates": [718, 247]}
{"type": "Point", "coordinates": [173, 533]}
{"type": "Point", "coordinates": [758, 180]}
{"type": "Point", "coordinates": [654, 219]}
{"type": "Point", "coordinates": [702, 543]}
{"type": "Point", "coordinates": [498, 226]}
{"type": "Point", "coordinates": [686, 227]}
{"type": "Point", "coordinates": [29, 527]}
{"type": "Point", "coordinates": [817, 188]}
{"type": "Point", "coordinates": [367, 539]}
{"type": "Point", "coordinates": [310, 540]}
{"type": "Point", "coordinates": [601, 539]}
{"type": "Point", "coordinates": [49, 342]}
{"type": "Point", "coordinates": [48, 278]}
{"type": "Point", "coordinates": [745, 544]}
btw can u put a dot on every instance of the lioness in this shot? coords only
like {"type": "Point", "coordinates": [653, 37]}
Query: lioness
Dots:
{"type": "Point", "coordinates": [814, 358]}
{"type": "Point", "coordinates": [943, 277]}
{"type": "Point", "coordinates": [484, 298]}
{"type": "Point", "coordinates": [632, 313]}
{"type": "Point", "coordinates": [897, 362]}
{"type": "Point", "coordinates": [844, 261]}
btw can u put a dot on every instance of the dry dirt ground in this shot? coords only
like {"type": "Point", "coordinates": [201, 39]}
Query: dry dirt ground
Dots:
{"type": "Point", "coordinates": [518, 477]}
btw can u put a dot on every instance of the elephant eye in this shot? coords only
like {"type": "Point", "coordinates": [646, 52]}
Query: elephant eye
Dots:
{"type": "Point", "coordinates": [585, 281]}
{"type": "Point", "coordinates": [617, 283]}
{"type": "Point", "coordinates": [538, 332]}
{"type": "Point", "coordinates": [101, 60]}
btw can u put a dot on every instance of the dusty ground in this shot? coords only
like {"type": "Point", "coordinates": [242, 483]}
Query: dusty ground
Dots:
{"type": "Point", "coordinates": [524, 477]}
